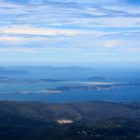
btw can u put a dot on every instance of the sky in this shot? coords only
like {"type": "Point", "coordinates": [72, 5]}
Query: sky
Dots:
{"type": "Point", "coordinates": [69, 31]}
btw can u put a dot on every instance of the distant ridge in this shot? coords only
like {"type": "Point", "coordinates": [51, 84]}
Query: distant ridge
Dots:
{"type": "Point", "coordinates": [75, 111]}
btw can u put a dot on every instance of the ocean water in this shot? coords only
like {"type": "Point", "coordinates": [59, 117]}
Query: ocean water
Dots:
{"type": "Point", "coordinates": [33, 85]}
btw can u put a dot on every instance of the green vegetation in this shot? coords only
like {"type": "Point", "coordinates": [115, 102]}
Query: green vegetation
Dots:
{"type": "Point", "coordinates": [91, 121]}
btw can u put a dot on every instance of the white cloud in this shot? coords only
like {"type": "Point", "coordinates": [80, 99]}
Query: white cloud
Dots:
{"type": "Point", "coordinates": [18, 49]}
{"type": "Point", "coordinates": [37, 22]}
{"type": "Point", "coordinates": [63, 13]}
{"type": "Point", "coordinates": [16, 40]}
{"type": "Point", "coordinates": [37, 2]}
{"type": "Point", "coordinates": [27, 30]}
{"type": "Point", "coordinates": [112, 43]}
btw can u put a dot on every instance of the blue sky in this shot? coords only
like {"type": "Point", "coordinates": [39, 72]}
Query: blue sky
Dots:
{"type": "Point", "coordinates": [69, 31]}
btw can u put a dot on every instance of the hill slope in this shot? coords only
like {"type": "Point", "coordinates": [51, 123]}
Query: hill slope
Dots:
{"type": "Point", "coordinates": [73, 121]}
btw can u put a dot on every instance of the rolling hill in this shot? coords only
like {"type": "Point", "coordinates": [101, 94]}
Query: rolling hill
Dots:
{"type": "Point", "coordinates": [69, 121]}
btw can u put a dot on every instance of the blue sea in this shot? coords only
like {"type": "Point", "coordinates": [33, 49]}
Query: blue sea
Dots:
{"type": "Point", "coordinates": [33, 83]}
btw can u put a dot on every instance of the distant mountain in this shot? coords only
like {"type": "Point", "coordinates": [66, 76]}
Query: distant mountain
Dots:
{"type": "Point", "coordinates": [55, 67]}
{"type": "Point", "coordinates": [97, 78]}
{"type": "Point", "coordinates": [71, 111]}
{"type": "Point", "coordinates": [7, 71]}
